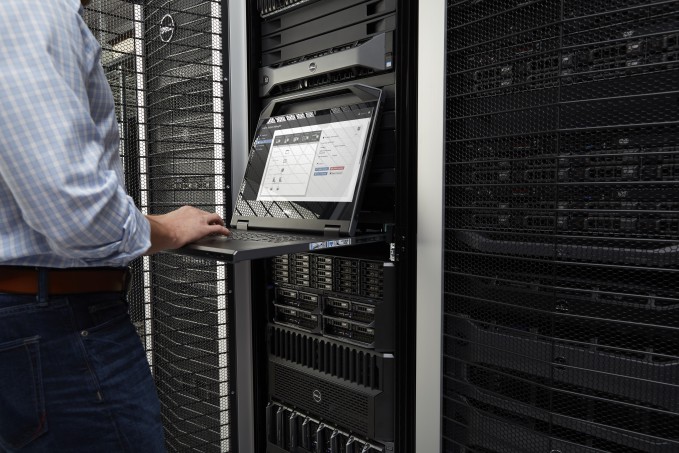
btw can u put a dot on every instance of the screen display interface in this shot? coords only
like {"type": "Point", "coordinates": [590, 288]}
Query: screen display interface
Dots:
{"type": "Point", "coordinates": [306, 165]}
{"type": "Point", "coordinates": [319, 162]}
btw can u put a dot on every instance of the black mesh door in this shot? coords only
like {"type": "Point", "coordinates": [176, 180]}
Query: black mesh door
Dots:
{"type": "Point", "coordinates": [186, 165]}
{"type": "Point", "coordinates": [164, 60]}
{"type": "Point", "coordinates": [561, 310]}
{"type": "Point", "coordinates": [112, 23]}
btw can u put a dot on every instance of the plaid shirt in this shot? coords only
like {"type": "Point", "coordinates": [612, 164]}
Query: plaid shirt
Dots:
{"type": "Point", "coordinates": [62, 196]}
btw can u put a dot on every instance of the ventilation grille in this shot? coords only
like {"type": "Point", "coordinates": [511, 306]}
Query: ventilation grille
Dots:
{"type": "Point", "coordinates": [185, 102]}
{"type": "Point", "coordinates": [561, 307]}
{"type": "Point", "coordinates": [191, 353]}
{"type": "Point", "coordinates": [517, 401]}
{"type": "Point", "coordinates": [112, 23]}
{"type": "Point", "coordinates": [342, 361]}
{"type": "Point", "coordinates": [187, 165]}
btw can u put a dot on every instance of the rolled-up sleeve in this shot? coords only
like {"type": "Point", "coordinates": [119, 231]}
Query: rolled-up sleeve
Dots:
{"type": "Point", "coordinates": [52, 152]}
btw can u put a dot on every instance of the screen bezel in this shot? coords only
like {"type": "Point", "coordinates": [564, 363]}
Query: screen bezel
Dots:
{"type": "Point", "coordinates": [312, 101]}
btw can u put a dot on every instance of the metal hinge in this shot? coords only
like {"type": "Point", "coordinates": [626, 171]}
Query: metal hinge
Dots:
{"type": "Point", "coordinates": [331, 230]}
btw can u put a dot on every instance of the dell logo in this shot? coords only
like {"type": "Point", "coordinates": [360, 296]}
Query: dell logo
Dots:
{"type": "Point", "coordinates": [312, 67]}
{"type": "Point", "coordinates": [316, 395]}
{"type": "Point", "coordinates": [167, 28]}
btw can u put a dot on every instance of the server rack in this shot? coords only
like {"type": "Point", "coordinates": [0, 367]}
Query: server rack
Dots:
{"type": "Point", "coordinates": [112, 23]}
{"type": "Point", "coordinates": [165, 61]}
{"type": "Point", "coordinates": [561, 238]}
{"type": "Point", "coordinates": [188, 165]}
{"type": "Point", "coordinates": [296, 46]}
{"type": "Point", "coordinates": [169, 58]}
{"type": "Point", "coordinates": [331, 343]}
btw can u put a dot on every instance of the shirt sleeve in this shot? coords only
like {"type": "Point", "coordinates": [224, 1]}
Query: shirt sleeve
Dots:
{"type": "Point", "coordinates": [52, 155]}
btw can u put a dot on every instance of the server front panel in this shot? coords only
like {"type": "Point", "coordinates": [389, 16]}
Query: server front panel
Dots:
{"type": "Point", "coordinates": [330, 346]}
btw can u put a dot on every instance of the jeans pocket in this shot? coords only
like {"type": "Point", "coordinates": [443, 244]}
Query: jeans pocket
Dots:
{"type": "Point", "coordinates": [22, 403]}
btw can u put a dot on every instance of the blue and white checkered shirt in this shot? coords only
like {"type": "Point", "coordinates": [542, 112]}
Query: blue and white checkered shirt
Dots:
{"type": "Point", "coordinates": [62, 198]}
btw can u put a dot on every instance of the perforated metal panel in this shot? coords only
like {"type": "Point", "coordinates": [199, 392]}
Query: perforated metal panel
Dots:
{"type": "Point", "coordinates": [164, 61]}
{"type": "Point", "coordinates": [112, 22]}
{"type": "Point", "coordinates": [183, 44]}
{"type": "Point", "coordinates": [561, 314]}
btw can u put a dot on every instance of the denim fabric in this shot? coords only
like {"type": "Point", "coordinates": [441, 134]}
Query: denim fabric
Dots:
{"type": "Point", "coordinates": [74, 378]}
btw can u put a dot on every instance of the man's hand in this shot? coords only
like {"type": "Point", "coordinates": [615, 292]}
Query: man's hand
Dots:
{"type": "Point", "coordinates": [182, 226]}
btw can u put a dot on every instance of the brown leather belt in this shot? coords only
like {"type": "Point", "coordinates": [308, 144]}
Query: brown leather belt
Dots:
{"type": "Point", "coordinates": [24, 280]}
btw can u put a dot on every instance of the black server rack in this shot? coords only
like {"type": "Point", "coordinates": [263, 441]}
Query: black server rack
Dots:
{"type": "Point", "coordinates": [191, 319]}
{"type": "Point", "coordinates": [112, 23]}
{"type": "Point", "coordinates": [161, 59]}
{"type": "Point", "coordinates": [331, 363]}
{"type": "Point", "coordinates": [562, 227]}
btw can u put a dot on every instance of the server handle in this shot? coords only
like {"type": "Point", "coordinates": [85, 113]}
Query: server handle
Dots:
{"type": "Point", "coordinates": [661, 256]}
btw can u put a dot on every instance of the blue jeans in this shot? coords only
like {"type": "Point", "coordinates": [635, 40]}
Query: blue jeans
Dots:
{"type": "Point", "coordinates": [74, 377]}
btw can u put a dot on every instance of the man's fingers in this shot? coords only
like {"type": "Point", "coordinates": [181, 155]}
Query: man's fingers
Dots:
{"type": "Point", "coordinates": [214, 219]}
{"type": "Point", "coordinates": [218, 229]}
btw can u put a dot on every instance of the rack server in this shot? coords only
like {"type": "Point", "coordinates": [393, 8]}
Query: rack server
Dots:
{"type": "Point", "coordinates": [341, 384]}
{"type": "Point", "coordinates": [272, 8]}
{"type": "Point", "coordinates": [330, 347]}
{"type": "Point", "coordinates": [345, 298]}
{"type": "Point", "coordinates": [343, 40]}
{"type": "Point", "coordinates": [561, 240]}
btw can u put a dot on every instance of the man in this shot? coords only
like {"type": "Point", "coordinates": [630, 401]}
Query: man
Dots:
{"type": "Point", "coordinates": [73, 373]}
